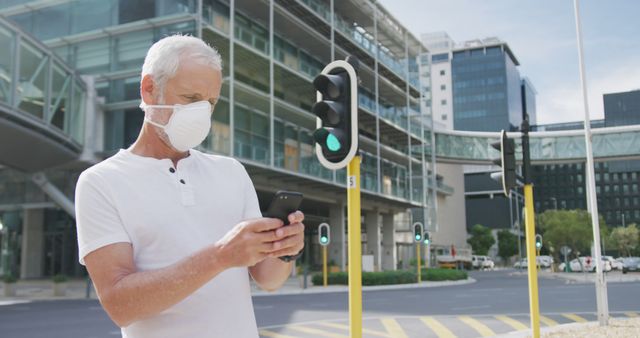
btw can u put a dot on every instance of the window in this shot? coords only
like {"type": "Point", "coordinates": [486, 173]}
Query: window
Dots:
{"type": "Point", "coordinates": [443, 102]}
{"type": "Point", "coordinates": [443, 87]}
{"type": "Point", "coordinates": [442, 72]}
{"type": "Point", "coordinates": [444, 117]}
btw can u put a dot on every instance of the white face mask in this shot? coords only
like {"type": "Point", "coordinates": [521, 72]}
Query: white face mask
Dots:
{"type": "Point", "coordinates": [188, 126]}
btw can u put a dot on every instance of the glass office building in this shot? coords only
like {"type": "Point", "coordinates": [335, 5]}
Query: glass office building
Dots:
{"type": "Point", "coordinates": [486, 87]}
{"type": "Point", "coordinates": [617, 185]}
{"type": "Point", "coordinates": [271, 52]}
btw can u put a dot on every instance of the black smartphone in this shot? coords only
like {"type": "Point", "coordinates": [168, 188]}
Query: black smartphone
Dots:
{"type": "Point", "coordinates": [283, 204]}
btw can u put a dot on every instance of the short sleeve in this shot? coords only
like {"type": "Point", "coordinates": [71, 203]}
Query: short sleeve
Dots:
{"type": "Point", "coordinates": [251, 204]}
{"type": "Point", "coordinates": [97, 219]}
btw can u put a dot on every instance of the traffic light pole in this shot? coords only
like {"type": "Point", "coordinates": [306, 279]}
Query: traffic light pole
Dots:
{"type": "Point", "coordinates": [355, 248]}
{"type": "Point", "coordinates": [324, 266]}
{"type": "Point", "coordinates": [532, 271]}
{"type": "Point", "coordinates": [418, 261]}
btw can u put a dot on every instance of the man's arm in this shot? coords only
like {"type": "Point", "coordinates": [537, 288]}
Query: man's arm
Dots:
{"type": "Point", "coordinates": [272, 272]}
{"type": "Point", "coordinates": [128, 295]}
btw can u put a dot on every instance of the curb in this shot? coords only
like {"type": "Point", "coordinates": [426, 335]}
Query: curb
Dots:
{"type": "Point", "coordinates": [546, 330]}
{"type": "Point", "coordinates": [341, 288]}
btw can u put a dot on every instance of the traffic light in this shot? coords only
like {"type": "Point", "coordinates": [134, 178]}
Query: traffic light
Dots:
{"type": "Point", "coordinates": [507, 161]}
{"type": "Point", "coordinates": [538, 242]}
{"type": "Point", "coordinates": [324, 234]}
{"type": "Point", "coordinates": [337, 114]}
{"type": "Point", "coordinates": [417, 232]}
{"type": "Point", "coordinates": [426, 238]}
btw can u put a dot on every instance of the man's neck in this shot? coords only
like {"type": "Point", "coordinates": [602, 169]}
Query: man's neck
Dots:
{"type": "Point", "coordinates": [149, 144]}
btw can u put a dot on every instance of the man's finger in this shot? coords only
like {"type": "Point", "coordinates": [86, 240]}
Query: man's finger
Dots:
{"type": "Point", "coordinates": [296, 217]}
{"type": "Point", "coordinates": [265, 224]}
{"type": "Point", "coordinates": [286, 252]}
{"type": "Point", "coordinates": [287, 243]}
{"type": "Point", "coordinates": [289, 230]}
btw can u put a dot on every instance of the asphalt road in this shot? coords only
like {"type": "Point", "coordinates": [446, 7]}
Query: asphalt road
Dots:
{"type": "Point", "coordinates": [494, 293]}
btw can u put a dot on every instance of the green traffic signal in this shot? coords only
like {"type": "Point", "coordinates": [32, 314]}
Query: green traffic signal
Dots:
{"type": "Point", "coordinates": [323, 239]}
{"type": "Point", "coordinates": [418, 237]}
{"type": "Point", "coordinates": [538, 245]}
{"type": "Point", "coordinates": [333, 143]}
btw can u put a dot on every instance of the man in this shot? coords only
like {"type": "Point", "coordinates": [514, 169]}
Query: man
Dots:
{"type": "Point", "coordinates": [168, 233]}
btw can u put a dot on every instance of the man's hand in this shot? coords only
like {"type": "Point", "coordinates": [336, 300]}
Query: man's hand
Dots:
{"type": "Point", "coordinates": [250, 242]}
{"type": "Point", "coordinates": [290, 238]}
{"type": "Point", "coordinates": [272, 272]}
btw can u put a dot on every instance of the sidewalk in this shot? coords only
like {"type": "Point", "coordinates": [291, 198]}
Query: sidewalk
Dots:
{"type": "Point", "coordinates": [30, 290]}
{"type": "Point", "coordinates": [587, 277]}
{"type": "Point", "coordinates": [618, 328]}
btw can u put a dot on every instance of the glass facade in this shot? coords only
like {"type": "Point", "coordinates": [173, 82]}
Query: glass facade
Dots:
{"type": "Point", "coordinates": [486, 90]}
{"type": "Point", "coordinates": [108, 40]}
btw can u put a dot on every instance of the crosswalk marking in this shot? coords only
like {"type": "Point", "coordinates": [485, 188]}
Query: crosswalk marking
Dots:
{"type": "Point", "coordinates": [438, 328]}
{"type": "Point", "coordinates": [512, 322]}
{"type": "Point", "coordinates": [346, 327]}
{"type": "Point", "coordinates": [394, 329]}
{"type": "Point", "coordinates": [548, 321]}
{"type": "Point", "coordinates": [318, 332]}
{"type": "Point", "coordinates": [631, 314]}
{"type": "Point", "coordinates": [482, 329]}
{"type": "Point", "coordinates": [267, 333]}
{"type": "Point", "coordinates": [574, 317]}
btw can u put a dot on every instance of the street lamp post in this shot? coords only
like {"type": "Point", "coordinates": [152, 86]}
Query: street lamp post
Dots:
{"type": "Point", "coordinates": [601, 285]}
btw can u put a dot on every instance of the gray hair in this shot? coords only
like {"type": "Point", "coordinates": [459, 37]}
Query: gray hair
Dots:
{"type": "Point", "coordinates": [163, 58]}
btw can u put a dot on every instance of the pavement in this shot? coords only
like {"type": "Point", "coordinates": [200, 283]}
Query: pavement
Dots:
{"type": "Point", "coordinates": [35, 290]}
{"type": "Point", "coordinates": [587, 277]}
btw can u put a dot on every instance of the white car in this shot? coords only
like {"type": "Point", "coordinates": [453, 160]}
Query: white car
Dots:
{"type": "Point", "coordinates": [544, 262]}
{"type": "Point", "coordinates": [615, 263]}
{"type": "Point", "coordinates": [587, 263]}
{"type": "Point", "coordinates": [482, 262]}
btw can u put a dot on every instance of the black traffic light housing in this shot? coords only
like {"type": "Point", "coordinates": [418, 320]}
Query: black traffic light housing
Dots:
{"type": "Point", "coordinates": [507, 161]}
{"type": "Point", "coordinates": [417, 232]}
{"type": "Point", "coordinates": [426, 237]}
{"type": "Point", "coordinates": [324, 234]}
{"type": "Point", "coordinates": [336, 109]}
{"type": "Point", "coordinates": [538, 242]}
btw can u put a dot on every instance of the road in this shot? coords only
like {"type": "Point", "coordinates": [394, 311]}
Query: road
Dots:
{"type": "Point", "coordinates": [496, 303]}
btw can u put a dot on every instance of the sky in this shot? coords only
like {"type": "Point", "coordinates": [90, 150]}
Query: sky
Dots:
{"type": "Point", "coordinates": [542, 35]}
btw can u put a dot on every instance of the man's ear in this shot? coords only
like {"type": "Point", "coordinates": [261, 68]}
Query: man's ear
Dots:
{"type": "Point", "coordinates": [147, 87]}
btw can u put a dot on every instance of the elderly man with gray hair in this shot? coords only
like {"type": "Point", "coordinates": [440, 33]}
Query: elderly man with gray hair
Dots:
{"type": "Point", "coordinates": [169, 234]}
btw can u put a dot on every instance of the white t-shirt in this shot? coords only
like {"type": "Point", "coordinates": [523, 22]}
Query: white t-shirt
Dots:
{"type": "Point", "coordinates": [166, 214]}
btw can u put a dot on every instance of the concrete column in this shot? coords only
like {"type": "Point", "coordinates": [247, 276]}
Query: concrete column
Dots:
{"type": "Point", "coordinates": [372, 224]}
{"type": "Point", "coordinates": [338, 247]}
{"type": "Point", "coordinates": [31, 262]}
{"type": "Point", "coordinates": [389, 258]}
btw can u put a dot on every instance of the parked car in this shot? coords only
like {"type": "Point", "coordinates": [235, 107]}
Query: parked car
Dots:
{"type": "Point", "coordinates": [488, 263]}
{"type": "Point", "coordinates": [588, 264]}
{"type": "Point", "coordinates": [630, 264]}
{"type": "Point", "coordinates": [544, 262]}
{"type": "Point", "coordinates": [616, 264]}
{"type": "Point", "coordinates": [482, 262]}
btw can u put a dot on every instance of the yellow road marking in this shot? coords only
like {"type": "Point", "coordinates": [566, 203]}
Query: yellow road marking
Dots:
{"type": "Point", "coordinates": [438, 328]}
{"type": "Point", "coordinates": [574, 317]}
{"type": "Point", "coordinates": [482, 329]}
{"type": "Point", "coordinates": [274, 334]}
{"type": "Point", "coordinates": [512, 322]}
{"type": "Point", "coordinates": [346, 327]}
{"type": "Point", "coordinates": [394, 329]}
{"type": "Point", "coordinates": [548, 321]}
{"type": "Point", "coordinates": [631, 314]}
{"type": "Point", "coordinates": [316, 331]}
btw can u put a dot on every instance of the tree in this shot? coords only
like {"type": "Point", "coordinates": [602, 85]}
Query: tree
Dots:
{"type": "Point", "coordinates": [626, 239]}
{"type": "Point", "coordinates": [570, 228]}
{"type": "Point", "coordinates": [507, 244]}
{"type": "Point", "coordinates": [481, 239]}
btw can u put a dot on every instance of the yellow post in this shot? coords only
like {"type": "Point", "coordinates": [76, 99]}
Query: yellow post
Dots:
{"type": "Point", "coordinates": [418, 263]}
{"type": "Point", "coordinates": [537, 255]}
{"type": "Point", "coordinates": [324, 265]}
{"type": "Point", "coordinates": [355, 250]}
{"type": "Point", "coordinates": [531, 261]}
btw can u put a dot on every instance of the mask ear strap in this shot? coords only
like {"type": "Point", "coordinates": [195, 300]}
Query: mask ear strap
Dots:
{"type": "Point", "coordinates": [153, 123]}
